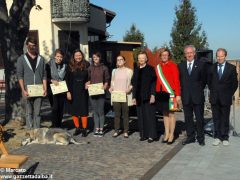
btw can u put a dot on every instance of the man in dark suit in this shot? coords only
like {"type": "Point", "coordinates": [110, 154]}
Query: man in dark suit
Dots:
{"type": "Point", "coordinates": [222, 82]}
{"type": "Point", "coordinates": [193, 79]}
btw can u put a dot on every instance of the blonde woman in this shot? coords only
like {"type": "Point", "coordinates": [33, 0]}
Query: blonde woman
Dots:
{"type": "Point", "coordinates": [167, 86]}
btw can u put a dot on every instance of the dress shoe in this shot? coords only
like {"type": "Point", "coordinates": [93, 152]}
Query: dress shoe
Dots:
{"type": "Point", "coordinates": [142, 139]}
{"type": "Point", "coordinates": [188, 141]}
{"type": "Point", "coordinates": [77, 131]}
{"type": "Point", "coordinates": [171, 142]}
{"type": "Point", "coordinates": [201, 143]}
{"type": "Point", "coordinates": [116, 134]}
{"type": "Point", "coordinates": [216, 142]}
{"type": "Point", "coordinates": [150, 140]}
{"type": "Point", "coordinates": [164, 141]}
{"type": "Point", "coordinates": [84, 133]}
{"type": "Point", "coordinates": [125, 135]}
{"type": "Point", "coordinates": [226, 143]}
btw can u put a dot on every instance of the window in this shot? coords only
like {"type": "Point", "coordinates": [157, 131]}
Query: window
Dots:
{"type": "Point", "coordinates": [93, 38]}
{"type": "Point", "coordinates": [109, 57]}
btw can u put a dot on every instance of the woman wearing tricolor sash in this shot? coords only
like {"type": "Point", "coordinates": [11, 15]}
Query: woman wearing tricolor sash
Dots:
{"type": "Point", "coordinates": [168, 93]}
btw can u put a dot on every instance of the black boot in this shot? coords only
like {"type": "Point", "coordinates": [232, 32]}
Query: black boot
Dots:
{"type": "Point", "coordinates": [77, 131]}
{"type": "Point", "coordinates": [84, 132]}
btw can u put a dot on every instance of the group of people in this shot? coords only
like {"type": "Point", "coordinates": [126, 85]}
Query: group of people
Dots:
{"type": "Point", "coordinates": [150, 89]}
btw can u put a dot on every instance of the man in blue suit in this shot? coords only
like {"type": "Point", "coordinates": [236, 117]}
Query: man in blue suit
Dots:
{"type": "Point", "coordinates": [222, 82]}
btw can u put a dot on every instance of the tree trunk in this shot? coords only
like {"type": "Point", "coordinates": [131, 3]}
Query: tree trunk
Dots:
{"type": "Point", "coordinates": [14, 29]}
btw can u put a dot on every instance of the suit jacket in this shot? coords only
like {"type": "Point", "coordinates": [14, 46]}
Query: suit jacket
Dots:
{"type": "Point", "coordinates": [192, 86]}
{"type": "Point", "coordinates": [222, 90]}
{"type": "Point", "coordinates": [144, 83]}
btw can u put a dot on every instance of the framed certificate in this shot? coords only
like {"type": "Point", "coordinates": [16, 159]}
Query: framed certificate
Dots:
{"type": "Point", "coordinates": [118, 96]}
{"type": "Point", "coordinates": [35, 90]}
{"type": "Point", "coordinates": [60, 88]}
{"type": "Point", "coordinates": [95, 89]}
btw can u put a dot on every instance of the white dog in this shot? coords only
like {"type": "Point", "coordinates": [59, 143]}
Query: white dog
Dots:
{"type": "Point", "coordinates": [50, 136]}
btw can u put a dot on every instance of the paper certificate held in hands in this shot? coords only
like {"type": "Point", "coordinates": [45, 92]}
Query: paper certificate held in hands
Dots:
{"type": "Point", "coordinates": [35, 90]}
{"type": "Point", "coordinates": [118, 96]}
{"type": "Point", "coordinates": [60, 88]}
{"type": "Point", "coordinates": [95, 89]}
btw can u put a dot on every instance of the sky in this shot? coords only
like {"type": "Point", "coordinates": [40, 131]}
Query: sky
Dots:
{"type": "Point", "coordinates": [220, 19]}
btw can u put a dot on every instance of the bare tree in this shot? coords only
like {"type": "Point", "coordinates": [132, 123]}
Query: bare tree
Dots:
{"type": "Point", "coordinates": [14, 27]}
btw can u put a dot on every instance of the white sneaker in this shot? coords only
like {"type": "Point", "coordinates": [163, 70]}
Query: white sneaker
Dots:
{"type": "Point", "coordinates": [216, 142]}
{"type": "Point", "coordinates": [226, 143]}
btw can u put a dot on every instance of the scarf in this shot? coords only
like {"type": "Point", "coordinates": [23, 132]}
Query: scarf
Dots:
{"type": "Point", "coordinates": [57, 71]}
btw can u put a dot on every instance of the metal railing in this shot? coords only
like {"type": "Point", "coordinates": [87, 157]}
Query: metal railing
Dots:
{"type": "Point", "coordinates": [74, 10]}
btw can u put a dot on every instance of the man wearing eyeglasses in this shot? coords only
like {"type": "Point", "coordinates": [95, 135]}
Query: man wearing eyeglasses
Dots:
{"type": "Point", "coordinates": [31, 71]}
{"type": "Point", "coordinates": [193, 79]}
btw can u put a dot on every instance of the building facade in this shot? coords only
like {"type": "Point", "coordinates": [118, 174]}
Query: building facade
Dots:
{"type": "Point", "coordinates": [68, 25]}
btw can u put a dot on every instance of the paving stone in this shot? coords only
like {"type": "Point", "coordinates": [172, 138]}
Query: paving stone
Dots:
{"type": "Point", "coordinates": [103, 158]}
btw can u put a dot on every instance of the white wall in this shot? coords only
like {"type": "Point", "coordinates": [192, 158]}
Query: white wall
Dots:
{"type": "Point", "coordinates": [41, 21]}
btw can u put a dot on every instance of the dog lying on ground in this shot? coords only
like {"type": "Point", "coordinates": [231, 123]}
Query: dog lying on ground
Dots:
{"type": "Point", "coordinates": [50, 136]}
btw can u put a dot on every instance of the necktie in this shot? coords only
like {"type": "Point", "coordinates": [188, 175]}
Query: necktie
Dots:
{"type": "Point", "coordinates": [220, 71]}
{"type": "Point", "coordinates": [189, 68]}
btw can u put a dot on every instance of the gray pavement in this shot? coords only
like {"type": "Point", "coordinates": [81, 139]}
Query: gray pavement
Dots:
{"type": "Point", "coordinates": [209, 162]}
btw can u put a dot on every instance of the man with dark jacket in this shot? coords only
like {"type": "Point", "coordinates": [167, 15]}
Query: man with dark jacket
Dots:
{"type": "Point", "coordinates": [222, 82]}
{"type": "Point", "coordinates": [193, 78]}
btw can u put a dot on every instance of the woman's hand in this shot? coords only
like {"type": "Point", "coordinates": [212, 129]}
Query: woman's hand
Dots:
{"type": "Point", "coordinates": [105, 86]}
{"type": "Point", "coordinates": [129, 91]}
{"type": "Point", "coordinates": [69, 96]}
{"type": "Point", "coordinates": [87, 84]}
{"type": "Point", "coordinates": [179, 101]}
{"type": "Point", "coordinates": [55, 82]}
{"type": "Point", "coordinates": [152, 99]}
{"type": "Point", "coordinates": [110, 89]}
{"type": "Point", "coordinates": [25, 93]}
{"type": "Point", "coordinates": [44, 93]}
{"type": "Point", "coordinates": [134, 102]}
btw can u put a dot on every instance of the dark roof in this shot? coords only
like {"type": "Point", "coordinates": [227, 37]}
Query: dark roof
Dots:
{"type": "Point", "coordinates": [109, 14]}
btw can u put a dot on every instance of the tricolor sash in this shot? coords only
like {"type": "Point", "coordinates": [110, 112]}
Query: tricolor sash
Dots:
{"type": "Point", "coordinates": [167, 88]}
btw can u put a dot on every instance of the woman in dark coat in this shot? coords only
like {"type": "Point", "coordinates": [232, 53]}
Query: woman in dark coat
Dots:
{"type": "Point", "coordinates": [77, 77]}
{"type": "Point", "coordinates": [144, 83]}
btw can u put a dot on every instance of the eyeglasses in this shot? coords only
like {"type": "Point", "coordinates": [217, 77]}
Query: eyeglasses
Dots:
{"type": "Point", "coordinates": [120, 59]}
{"type": "Point", "coordinates": [31, 45]}
{"type": "Point", "coordinates": [188, 52]}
